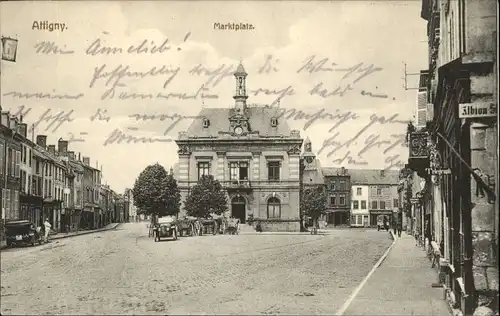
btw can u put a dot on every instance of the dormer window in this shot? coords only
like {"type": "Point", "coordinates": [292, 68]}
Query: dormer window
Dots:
{"type": "Point", "coordinates": [274, 122]}
{"type": "Point", "coordinates": [206, 122]}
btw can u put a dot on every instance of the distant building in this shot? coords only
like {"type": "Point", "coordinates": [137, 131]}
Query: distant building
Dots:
{"type": "Point", "coordinates": [338, 194]}
{"type": "Point", "coordinates": [132, 209]}
{"type": "Point", "coordinates": [252, 152]}
{"type": "Point", "coordinates": [382, 187]}
{"type": "Point", "coordinates": [360, 215]}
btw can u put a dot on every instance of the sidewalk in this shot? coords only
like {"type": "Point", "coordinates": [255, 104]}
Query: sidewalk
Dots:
{"type": "Point", "coordinates": [401, 285]}
{"type": "Point", "coordinates": [3, 244]}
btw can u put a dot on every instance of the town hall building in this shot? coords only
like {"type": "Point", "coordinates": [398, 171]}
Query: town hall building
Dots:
{"type": "Point", "coordinates": [252, 152]}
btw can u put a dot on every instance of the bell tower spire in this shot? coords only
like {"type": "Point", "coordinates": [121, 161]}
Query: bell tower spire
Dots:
{"type": "Point", "coordinates": [240, 97]}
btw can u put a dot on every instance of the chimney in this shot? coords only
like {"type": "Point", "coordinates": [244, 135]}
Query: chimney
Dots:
{"type": "Point", "coordinates": [52, 149]}
{"type": "Point", "coordinates": [86, 161]}
{"type": "Point", "coordinates": [23, 129]}
{"type": "Point", "coordinates": [342, 170]}
{"type": "Point", "coordinates": [71, 155]}
{"type": "Point", "coordinates": [382, 173]}
{"type": "Point", "coordinates": [41, 140]}
{"type": "Point", "coordinates": [79, 158]}
{"type": "Point", "coordinates": [62, 146]}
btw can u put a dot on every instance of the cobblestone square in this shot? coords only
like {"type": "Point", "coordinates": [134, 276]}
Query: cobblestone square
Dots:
{"type": "Point", "coordinates": [125, 272]}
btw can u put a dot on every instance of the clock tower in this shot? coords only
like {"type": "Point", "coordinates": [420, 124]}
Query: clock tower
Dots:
{"type": "Point", "coordinates": [240, 97]}
{"type": "Point", "coordinates": [309, 156]}
{"type": "Point", "coordinates": [238, 115]}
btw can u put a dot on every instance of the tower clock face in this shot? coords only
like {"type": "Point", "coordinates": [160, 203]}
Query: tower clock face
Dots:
{"type": "Point", "coordinates": [238, 130]}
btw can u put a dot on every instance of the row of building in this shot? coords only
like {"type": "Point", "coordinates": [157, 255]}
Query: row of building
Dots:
{"type": "Point", "coordinates": [41, 180]}
{"type": "Point", "coordinates": [263, 165]}
{"type": "Point", "coordinates": [451, 178]}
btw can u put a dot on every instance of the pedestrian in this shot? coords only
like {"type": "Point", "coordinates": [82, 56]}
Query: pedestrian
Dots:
{"type": "Point", "coordinates": [47, 227]}
{"type": "Point", "coordinates": [400, 228]}
{"type": "Point", "coordinates": [386, 224]}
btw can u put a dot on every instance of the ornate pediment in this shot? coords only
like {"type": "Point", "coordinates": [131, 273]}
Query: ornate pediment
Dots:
{"type": "Point", "coordinates": [294, 150]}
{"type": "Point", "coordinates": [184, 150]}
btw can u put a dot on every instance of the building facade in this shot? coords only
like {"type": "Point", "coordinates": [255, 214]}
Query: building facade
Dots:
{"type": "Point", "coordinates": [360, 215]}
{"type": "Point", "coordinates": [338, 195]}
{"type": "Point", "coordinates": [454, 149]}
{"type": "Point", "coordinates": [10, 160]}
{"type": "Point", "coordinates": [380, 187]}
{"type": "Point", "coordinates": [252, 152]}
{"type": "Point", "coordinates": [40, 181]}
{"type": "Point", "coordinates": [132, 209]}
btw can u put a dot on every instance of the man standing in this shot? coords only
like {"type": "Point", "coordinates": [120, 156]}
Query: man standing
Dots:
{"type": "Point", "coordinates": [47, 227]}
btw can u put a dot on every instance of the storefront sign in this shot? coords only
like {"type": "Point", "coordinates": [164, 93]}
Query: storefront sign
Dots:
{"type": "Point", "coordinates": [483, 109]}
{"type": "Point", "coordinates": [381, 212]}
{"type": "Point", "coordinates": [9, 49]}
{"type": "Point", "coordinates": [438, 171]}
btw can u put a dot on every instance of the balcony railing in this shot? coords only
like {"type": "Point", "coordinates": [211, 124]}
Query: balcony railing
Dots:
{"type": "Point", "coordinates": [237, 184]}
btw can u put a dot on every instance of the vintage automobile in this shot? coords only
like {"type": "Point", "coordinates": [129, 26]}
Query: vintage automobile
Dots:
{"type": "Point", "coordinates": [166, 227]}
{"type": "Point", "coordinates": [22, 232]}
{"type": "Point", "coordinates": [381, 222]}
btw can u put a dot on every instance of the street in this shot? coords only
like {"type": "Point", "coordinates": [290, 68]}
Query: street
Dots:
{"type": "Point", "coordinates": [124, 272]}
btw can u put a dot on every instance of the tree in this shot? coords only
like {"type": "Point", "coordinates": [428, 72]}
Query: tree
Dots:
{"type": "Point", "coordinates": [156, 192]}
{"type": "Point", "coordinates": [206, 196]}
{"type": "Point", "coordinates": [313, 202]}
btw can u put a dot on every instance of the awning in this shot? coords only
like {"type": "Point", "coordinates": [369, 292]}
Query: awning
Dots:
{"type": "Point", "coordinates": [30, 199]}
{"type": "Point", "coordinates": [337, 210]}
{"type": "Point", "coordinates": [381, 212]}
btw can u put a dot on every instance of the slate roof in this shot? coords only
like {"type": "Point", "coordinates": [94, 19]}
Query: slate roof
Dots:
{"type": "Point", "coordinates": [259, 120]}
{"type": "Point", "coordinates": [76, 166]}
{"type": "Point", "coordinates": [374, 176]}
{"type": "Point", "coordinates": [329, 171]}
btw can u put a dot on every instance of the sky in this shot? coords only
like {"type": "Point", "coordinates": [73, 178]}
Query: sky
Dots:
{"type": "Point", "coordinates": [341, 58]}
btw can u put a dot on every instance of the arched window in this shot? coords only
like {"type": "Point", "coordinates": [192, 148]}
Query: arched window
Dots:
{"type": "Point", "coordinates": [273, 208]}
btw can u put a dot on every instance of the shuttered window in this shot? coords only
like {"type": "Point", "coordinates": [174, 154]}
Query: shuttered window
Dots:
{"type": "Point", "coordinates": [421, 109]}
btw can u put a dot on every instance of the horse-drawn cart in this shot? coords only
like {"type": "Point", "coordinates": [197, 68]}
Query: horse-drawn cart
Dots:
{"type": "Point", "coordinates": [233, 226]}
{"type": "Point", "coordinates": [208, 226]}
{"type": "Point", "coordinates": [188, 226]}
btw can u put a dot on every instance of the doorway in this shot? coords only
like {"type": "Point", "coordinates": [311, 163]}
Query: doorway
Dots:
{"type": "Point", "coordinates": [238, 208]}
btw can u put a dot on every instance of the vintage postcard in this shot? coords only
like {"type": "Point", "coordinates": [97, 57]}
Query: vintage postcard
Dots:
{"type": "Point", "coordinates": [249, 157]}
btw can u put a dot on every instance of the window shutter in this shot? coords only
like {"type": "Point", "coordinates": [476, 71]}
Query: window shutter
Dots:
{"type": "Point", "coordinates": [18, 162]}
{"type": "Point", "coordinates": [421, 115]}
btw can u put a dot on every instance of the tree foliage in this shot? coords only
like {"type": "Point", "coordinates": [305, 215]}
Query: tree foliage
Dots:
{"type": "Point", "coordinates": [313, 202]}
{"type": "Point", "coordinates": [156, 192]}
{"type": "Point", "coordinates": [205, 197]}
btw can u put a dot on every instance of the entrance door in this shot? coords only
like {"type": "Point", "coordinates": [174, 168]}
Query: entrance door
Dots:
{"type": "Point", "coordinates": [238, 208]}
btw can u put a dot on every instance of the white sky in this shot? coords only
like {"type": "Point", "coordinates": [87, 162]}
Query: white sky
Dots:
{"type": "Point", "coordinates": [382, 33]}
